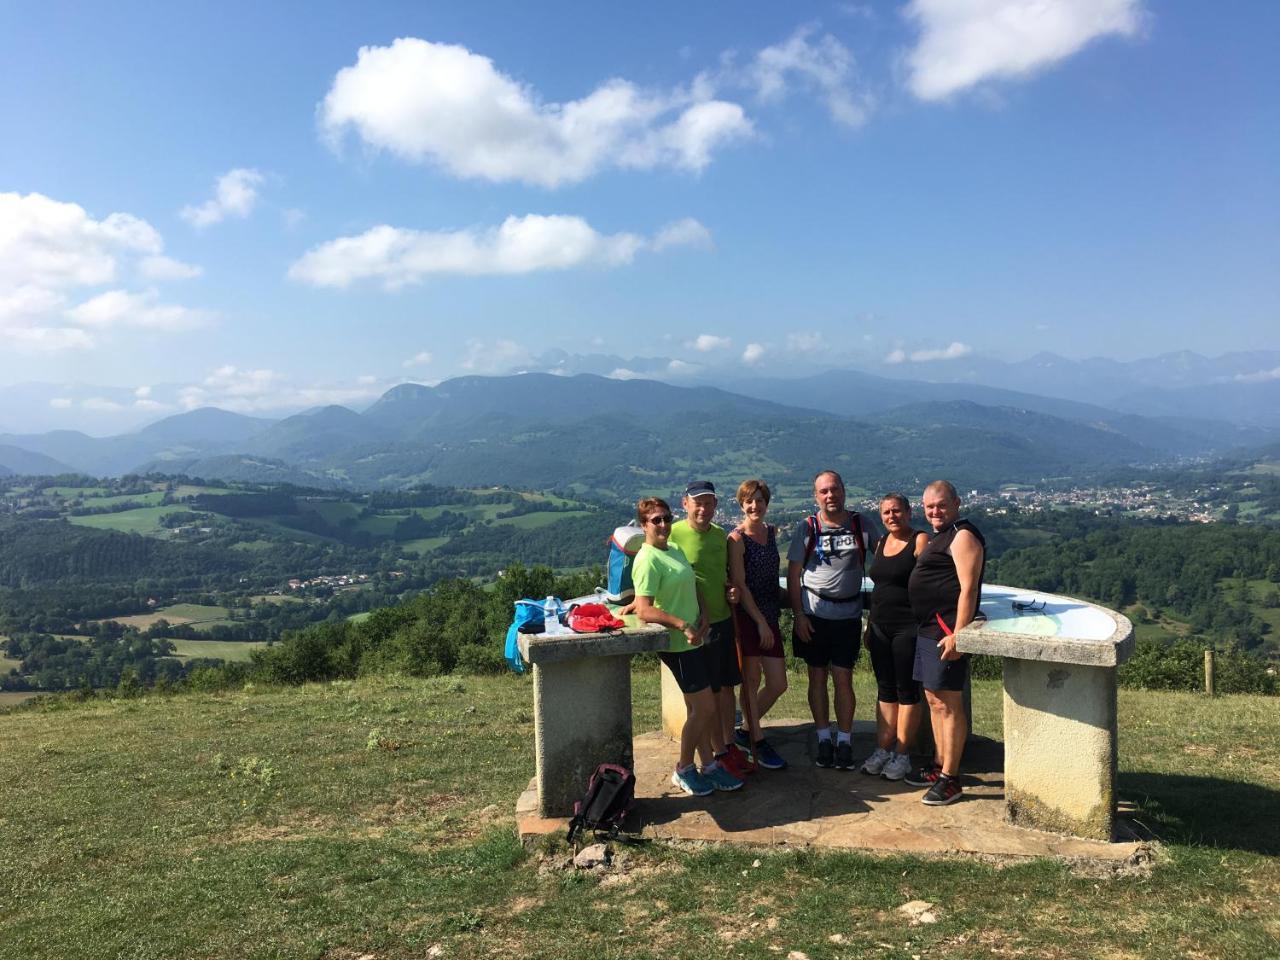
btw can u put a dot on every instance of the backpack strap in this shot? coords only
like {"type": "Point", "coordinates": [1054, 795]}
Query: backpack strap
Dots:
{"type": "Point", "coordinates": [811, 540]}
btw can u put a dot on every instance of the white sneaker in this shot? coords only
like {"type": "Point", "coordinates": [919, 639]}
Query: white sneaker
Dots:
{"type": "Point", "coordinates": [874, 764]}
{"type": "Point", "coordinates": [899, 766]}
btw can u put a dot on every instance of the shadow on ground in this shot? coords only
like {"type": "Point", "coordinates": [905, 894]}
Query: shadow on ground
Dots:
{"type": "Point", "coordinates": [1207, 811]}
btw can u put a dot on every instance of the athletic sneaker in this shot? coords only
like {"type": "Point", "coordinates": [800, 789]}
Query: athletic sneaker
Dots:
{"type": "Point", "coordinates": [924, 776]}
{"type": "Point", "coordinates": [946, 790]}
{"type": "Point", "coordinates": [826, 754]}
{"type": "Point", "coordinates": [874, 764]}
{"type": "Point", "coordinates": [844, 756]}
{"type": "Point", "coordinates": [735, 761]}
{"type": "Point", "coordinates": [721, 779]}
{"type": "Point", "coordinates": [768, 757]}
{"type": "Point", "coordinates": [741, 738]}
{"type": "Point", "coordinates": [898, 766]}
{"type": "Point", "coordinates": [692, 782]}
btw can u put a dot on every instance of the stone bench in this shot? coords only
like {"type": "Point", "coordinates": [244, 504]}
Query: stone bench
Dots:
{"type": "Point", "coordinates": [1060, 664]}
{"type": "Point", "coordinates": [582, 706]}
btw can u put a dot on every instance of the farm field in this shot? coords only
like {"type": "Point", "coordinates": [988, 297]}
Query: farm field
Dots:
{"type": "Point", "coordinates": [145, 520]}
{"type": "Point", "coordinates": [178, 613]}
{"type": "Point", "coordinates": [374, 818]}
{"type": "Point", "coordinates": [532, 521]}
{"type": "Point", "coordinates": [225, 649]}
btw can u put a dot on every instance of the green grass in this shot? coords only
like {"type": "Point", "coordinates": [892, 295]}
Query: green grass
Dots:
{"type": "Point", "coordinates": [375, 817]}
{"type": "Point", "coordinates": [224, 649]}
{"type": "Point", "coordinates": [195, 613]}
{"type": "Point", "coordinates": [151, 499]}
{"type": "Point", "coordinates": [425, 545]}
{"type": "Point", "coordinates": [144, 520]}
{"type": "Point", "coordinates": [533, 521]}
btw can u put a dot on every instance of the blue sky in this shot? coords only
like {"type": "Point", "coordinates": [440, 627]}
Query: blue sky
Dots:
{"type": "Point", "coordinates": [268, 206]}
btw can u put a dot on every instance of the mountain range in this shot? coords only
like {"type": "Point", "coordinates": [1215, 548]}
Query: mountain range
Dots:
{"type": "Point", "coordinates": [595, 434]}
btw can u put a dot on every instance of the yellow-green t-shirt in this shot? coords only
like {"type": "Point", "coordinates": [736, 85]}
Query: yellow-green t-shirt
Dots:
{"type": "Point", "coordinates": [708, 554]}
{"type": "Point", "coordinates": [665, 575]}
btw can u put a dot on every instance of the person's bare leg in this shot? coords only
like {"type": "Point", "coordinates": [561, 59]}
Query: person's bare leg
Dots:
{"type": "Point", "coordinates": [904, 732]}
{"type": "Point", "coordinates": [775, 684]}
{"type": "Point", "coordinates": [750, 681]}
{"type": "Point", "coordinates": [698, 726]}
{"type": "Point", "coordinates": [947, 707]}
{"type": "Point", "coordinates": [819, 702]}
{"type": "Point", "coordinates": [842, 680]}
{"type": "Point", "coordinates": [935, 722]}
{"type": "Point", "coordinates": [886, 724]}
{"type": "Point", "coordinates": [725, 707]}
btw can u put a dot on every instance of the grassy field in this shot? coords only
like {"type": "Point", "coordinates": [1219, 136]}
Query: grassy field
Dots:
{"type": "Point", "coordinates": [224, 649]}
{"type": "Point", "coordinates": [533, 521]}
{"type": "Point", "coordinates": [144, 520]}
{"type": "Point", "coordinates": [374, 819]}
{"type": "Point", "coordinates": [180, 613]}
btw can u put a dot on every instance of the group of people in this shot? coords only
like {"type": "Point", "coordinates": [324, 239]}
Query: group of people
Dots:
{"type": "Point", "coordinates": [718, 594]}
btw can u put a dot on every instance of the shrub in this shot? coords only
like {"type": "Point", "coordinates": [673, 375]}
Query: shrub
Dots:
{"type": "Point", "coordinates": [1180, 666]}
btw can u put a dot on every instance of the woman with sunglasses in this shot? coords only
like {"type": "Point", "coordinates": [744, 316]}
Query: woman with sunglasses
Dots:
{"type": "Point", "coordinates": [667, 593]}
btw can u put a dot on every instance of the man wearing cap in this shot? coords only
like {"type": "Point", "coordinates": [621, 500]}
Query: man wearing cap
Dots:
{"type": "Point", "coordinates": [706, 546]}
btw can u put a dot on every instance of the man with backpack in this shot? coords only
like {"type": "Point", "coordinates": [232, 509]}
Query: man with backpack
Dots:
{"type": "Point", "coordinates": [824, 582]}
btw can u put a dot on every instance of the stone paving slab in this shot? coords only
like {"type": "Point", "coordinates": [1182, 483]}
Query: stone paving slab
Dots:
{"type": "Point", "coordinates": [807, 806]}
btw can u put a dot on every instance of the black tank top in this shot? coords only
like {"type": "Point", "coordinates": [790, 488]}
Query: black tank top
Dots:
{"type": "Point", "coordinates": [934, 586]}
{"type": "Point", "coordinates": [890, 603]}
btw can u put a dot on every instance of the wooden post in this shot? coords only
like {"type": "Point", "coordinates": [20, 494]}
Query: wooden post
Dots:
{"type": "Point", "coordinates": [1208, 672]}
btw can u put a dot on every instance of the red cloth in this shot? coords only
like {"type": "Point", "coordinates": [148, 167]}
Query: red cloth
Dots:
{"type": "Point", "coordinates": [593, 618]}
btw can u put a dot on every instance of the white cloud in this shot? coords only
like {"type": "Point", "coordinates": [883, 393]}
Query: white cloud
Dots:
{"type": "Point", "coordinates": [963, 42]}
{"type": "Point", "coordinates": [706, 342]}
{"type": "Point", "coordinates": [1261, 376]}
{"type": "Point", "coordinates": [824, 66]}
{"type": "Point", "coordinates": [151, 406]}
{"type": "Point", "coordinates": [418, 359]}
{"type": "Point", "coordinates": [441, 103]}
{"type": "Point", "coordinates": [160, 267]}
{"type": "Point", "coordinates": [234, 195]}
{"type": "Point", "coordinates": [122, 308]}
{"type": "Point", "coordinates": [142, 392]}
{"type": "Point", "coordinates": [397, 257]}
{"type": "Point", "coordinates": [60, 403]}
{"type": "Point", "coordinates": [265, 391]}
{"type": "Point", "coordinates": [622, 373]}
{"type": "Point", "coordinates": [101, 405]}
{"type": "Point", "coordinates": [492, 356]}
{"type": "Point", "coordinates": [683, 233]}
{"type": "Point", "coordinates": [806, 342]}
{"type": "Point", "coordinates": [953, 351]}
{"type": "Point", "coordinates": [677, 368]}
{"type": "Point", "coordinates": [50, 249]}
{"type": "Point", "coordinates": [753, 354]}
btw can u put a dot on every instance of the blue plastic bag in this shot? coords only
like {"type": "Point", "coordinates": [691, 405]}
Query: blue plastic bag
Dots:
{"type": "Point", "coordinates": [527, 611]}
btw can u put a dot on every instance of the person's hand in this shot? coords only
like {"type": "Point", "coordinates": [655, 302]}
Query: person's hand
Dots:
{"type": "Point", "coordinates": [692, 634]}
{"type": "Point", "coordinates": [765, 632]}
{"type": "Point", "coordinates": [628, 610]}
{"type": "Point", "coordinates": [703, 624]}
{"type": "Point", "coordinates": [804, 629]}
{"type": "Point", "coordinates": [948, 647]}
{"type": "Point", "coordinates": [731, 593]}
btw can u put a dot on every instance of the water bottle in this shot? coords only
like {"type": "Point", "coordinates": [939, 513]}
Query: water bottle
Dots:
{"type": "Point", "coordinates": [551, 617]}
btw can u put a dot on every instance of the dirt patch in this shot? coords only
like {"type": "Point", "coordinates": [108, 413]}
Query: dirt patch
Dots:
{"type": "Point", "coordinates": [407, 809]}
{"type": "Point", "coordinates": [290, 831]}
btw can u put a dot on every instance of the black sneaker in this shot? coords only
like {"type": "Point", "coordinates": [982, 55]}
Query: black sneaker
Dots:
{"type": "Point", "coordinates": [826, 754]}
{"type": "Point", "coordinates": [925, 776]}
{"type": "Point", "coordinates": [844, 756]}
{"type": "Point", "coordinates": [946, 790]}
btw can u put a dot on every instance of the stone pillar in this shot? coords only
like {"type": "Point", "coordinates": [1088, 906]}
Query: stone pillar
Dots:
{"type": "Point", "coordinates": [1060, 746]}
{"type": "Point", "coordinates": [582, 718]}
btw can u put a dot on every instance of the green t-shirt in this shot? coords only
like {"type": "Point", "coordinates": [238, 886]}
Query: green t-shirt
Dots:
{"type": "Point", "coordinates": [665, 575]}
{"type": "Point", "coordinates": [708, 554]}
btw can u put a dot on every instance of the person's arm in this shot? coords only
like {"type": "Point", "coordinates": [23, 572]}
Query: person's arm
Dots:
{"type": "Point", "coordinates": [738, 577]}
{"type": "Point", "coordinates": [922, 541]}
{"type": "Point", "coordinates": [795, 590]}
{"type": "Point", "coordinates": [966, 553]}
{"type": "Point", "coordinates": [648, 613]}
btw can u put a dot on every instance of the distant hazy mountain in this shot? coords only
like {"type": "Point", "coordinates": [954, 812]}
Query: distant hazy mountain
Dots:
{"type": "Point", "coordinates": [15, 460]}
{"type": "Point", "coordinates": [242, 468]}
{"type": "Point", "coordinates": [203, 427]}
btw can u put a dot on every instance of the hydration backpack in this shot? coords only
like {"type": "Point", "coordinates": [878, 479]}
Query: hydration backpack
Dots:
{"type": "Point", "coordinates": [610, 794]}
{"type": "Point", "coordinates": [623, 547]}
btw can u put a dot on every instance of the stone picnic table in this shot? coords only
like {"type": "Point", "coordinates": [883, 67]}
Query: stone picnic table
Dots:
{"type": "Point", "coordinates": [1060, 658]}
{"type": "Point", "coordinates": [582, 706]}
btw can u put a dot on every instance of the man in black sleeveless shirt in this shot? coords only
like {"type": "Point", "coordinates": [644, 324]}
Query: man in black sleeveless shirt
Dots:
{"type": "Point", "coordinates": [945, 588]}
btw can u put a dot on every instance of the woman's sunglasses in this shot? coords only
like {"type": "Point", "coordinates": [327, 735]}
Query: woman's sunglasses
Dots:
{"type": "Point", "coordinates": [659, 518]}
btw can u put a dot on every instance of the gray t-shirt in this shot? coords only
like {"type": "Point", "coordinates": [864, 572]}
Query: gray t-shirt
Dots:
{"type": "Point", "coordinates": [832, 576]}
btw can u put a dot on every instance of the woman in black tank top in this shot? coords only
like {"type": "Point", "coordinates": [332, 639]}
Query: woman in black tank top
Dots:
{"type": "Point", "coordinates": [891, 640]}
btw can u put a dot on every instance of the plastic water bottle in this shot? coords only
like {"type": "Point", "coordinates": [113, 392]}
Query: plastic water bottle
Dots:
{"type": "Point", "coordinates": [551, 617]}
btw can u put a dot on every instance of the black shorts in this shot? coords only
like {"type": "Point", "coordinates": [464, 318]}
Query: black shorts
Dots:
{"type": "Point", "coordinates": [893, 656]}
{"type": "Point", "coordinates": [689, 668]}
{"type": "Point", "coordinates": [832, 643]}
{"type": "Point", "coordinates": [722, 655]}
{"type": "Point", "coordinates": [933, 672]}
